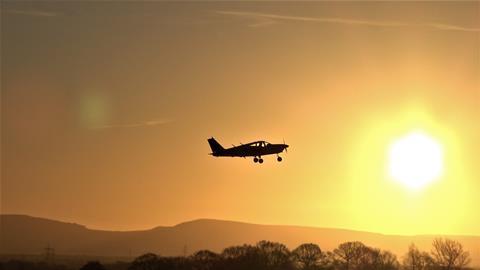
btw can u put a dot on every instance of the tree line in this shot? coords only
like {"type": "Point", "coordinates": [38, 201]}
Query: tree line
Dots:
{"type": "Point", "coordinates": [445, 254]}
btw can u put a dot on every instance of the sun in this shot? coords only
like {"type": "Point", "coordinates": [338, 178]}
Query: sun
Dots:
{"type": "Point", "coordinates": [415, 160]}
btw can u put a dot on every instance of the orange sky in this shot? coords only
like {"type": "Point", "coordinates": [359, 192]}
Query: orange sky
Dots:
{"type": "Point", "coordinates": [106, 108]}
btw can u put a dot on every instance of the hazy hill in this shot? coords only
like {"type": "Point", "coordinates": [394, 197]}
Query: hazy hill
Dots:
{"type": "Point", "coordinates": [29, 235]}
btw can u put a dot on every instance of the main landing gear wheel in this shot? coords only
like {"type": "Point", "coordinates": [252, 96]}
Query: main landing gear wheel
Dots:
{"type": "Point", "coordinates": [258, 159]}
{"type": "Point", "coordinates": [279, 159]}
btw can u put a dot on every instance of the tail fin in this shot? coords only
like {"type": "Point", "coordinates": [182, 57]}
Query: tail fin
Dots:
{"type": "Point", "coordinates": [216, 147]}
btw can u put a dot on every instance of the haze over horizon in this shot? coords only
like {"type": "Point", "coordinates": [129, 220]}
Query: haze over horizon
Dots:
{"type": "Point", "coordinates": [106, 109]}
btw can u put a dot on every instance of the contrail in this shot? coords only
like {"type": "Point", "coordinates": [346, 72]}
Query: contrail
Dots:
{"type": "Point", "coordinates": [270, 18]}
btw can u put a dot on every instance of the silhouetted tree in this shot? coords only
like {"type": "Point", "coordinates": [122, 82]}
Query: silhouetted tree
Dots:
{"type": "Point", "coordinates": [274, 255]}
{"type": "Point", "coordinates": [348, 255]}
{"type": "Point", "coordinates": [449, 254]}
{"type": "Point", "coordinates": [308, 256]}
{"type": "Point", "coordinates": [388, 261]}
{"type": "Point", "coordinates": [357, 256]}
{"type": "Point", "coordinates": [93, 265]}
{"type": "Point", "coordinates": [205, 260]}
{"type": "Point", "coordinates": [370, 259]}
{"type": "Point", "coordinates": [375, 259]}
{"type": "Point", "coordinates": [242, 257]}
{"type": "Point", "coordinates": [328, 260]}
{"type": "Point", "coordinates": [239, 251]}
{"type": "Point", "coordinates": [147, 261]}
{"type": "Point", "coordinates": [417, 260]}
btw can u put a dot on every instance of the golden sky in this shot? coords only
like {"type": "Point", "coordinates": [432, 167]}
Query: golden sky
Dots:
{"type": "Point", "coordinates": [106, 108]}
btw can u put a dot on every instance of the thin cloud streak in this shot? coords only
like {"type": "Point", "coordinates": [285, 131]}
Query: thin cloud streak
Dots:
{"type": "Point", "coordinates": [452, 27]}
{"type": "Point", "coordinates": [272, 17]}
{"type": "Point", "coordinates": [150, 123]}
{"type": "Point", "coordinates": [35, 13]}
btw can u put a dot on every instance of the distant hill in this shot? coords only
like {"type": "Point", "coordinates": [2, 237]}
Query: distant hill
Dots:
{"type": "Point", "coordinates": [21, 234]}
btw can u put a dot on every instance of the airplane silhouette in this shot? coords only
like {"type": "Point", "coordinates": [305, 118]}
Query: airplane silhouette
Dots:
{"type": "Point", "coordinates": [254, 149]}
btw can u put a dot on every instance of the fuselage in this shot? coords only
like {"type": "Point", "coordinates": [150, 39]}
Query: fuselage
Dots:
{"type": "Point", "coordinates": [251, 150]}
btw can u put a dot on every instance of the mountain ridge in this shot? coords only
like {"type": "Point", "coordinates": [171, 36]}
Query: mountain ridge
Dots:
{"type": "Point", "coordinates": [200, 220]}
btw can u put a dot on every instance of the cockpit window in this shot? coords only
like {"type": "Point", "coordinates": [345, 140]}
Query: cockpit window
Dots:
{"type": "Point", "coordinates": [260, 144]}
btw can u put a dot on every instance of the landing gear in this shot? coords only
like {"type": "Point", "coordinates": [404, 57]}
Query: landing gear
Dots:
{"type": "Point", "coordinates": [279, 158]}
{"type": "Point", "coordinates": [258, 159]}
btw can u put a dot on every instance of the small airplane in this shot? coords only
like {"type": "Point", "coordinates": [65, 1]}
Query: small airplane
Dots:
{"type": "Point", "coordinates": [254, 149]}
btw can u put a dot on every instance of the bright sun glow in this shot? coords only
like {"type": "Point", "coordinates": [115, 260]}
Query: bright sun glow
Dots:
{"type": "Point", "coordinates": [415, 160]}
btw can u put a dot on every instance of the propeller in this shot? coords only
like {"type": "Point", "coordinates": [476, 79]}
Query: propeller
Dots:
{"type": "Point", "coordinates": [286, 151]}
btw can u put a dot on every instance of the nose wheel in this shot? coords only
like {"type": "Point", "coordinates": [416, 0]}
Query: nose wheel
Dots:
{"type": "Point", "coordinates": [279, 159]}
